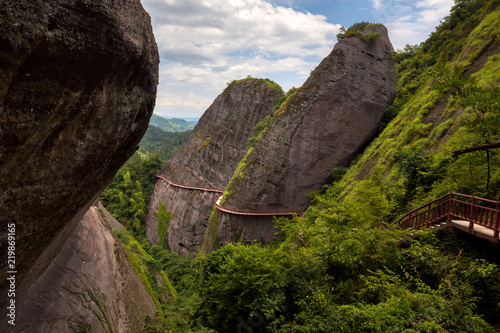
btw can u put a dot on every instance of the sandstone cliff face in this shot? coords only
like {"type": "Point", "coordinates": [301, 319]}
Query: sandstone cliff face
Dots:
{"type": "Point", "coordinates": [324, 125]}
{"type": "Point", "coordinates": [89, 284]}
{"type": "Point", "coordinates": [208, 158]}
{"type": "Point", "coordinates": [77, 87]}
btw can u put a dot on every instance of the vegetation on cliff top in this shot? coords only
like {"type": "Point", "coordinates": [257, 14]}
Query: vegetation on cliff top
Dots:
{"type": "Point", "coordinates": [356, 30]}
{"type": "Point", "coordinates": [256, 81]}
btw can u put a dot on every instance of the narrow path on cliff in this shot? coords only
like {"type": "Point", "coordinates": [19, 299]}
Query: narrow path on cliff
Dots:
{"type": "Point", "coordinates": [229, 210]}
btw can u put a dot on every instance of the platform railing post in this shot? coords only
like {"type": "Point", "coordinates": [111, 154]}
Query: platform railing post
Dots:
{"type": "Point", "coordinates": [428, 216]}
{"type": "Point", "coordinates": [497, 224]}
{"type": "Point", "coordinates": [471, 221]}
{"type": "Point", "coordinates": [450, 202]}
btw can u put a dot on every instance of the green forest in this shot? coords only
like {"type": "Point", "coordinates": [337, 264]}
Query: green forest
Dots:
{"type": "Point", "coordinates": [127, 196]}
{"type": "Point", "coordinates": [334, 269]}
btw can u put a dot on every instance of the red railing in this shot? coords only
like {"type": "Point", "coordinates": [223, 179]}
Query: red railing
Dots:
{"type": "Point", "coordinates": [476, 210]}
{"type": "Point", "coordinates": [190, 187]}
{"type": "Point", "coordinates": [254, 212]}
{"type": "Point", "coordinates": [229, 210]}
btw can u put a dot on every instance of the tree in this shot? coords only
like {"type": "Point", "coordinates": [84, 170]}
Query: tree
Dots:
{"type": "Point", "coordinates": [127, 196]}
{"type": "Point", "coordinates": [164, 216]}
{"type": "Point", "coordinates": [367, 204]}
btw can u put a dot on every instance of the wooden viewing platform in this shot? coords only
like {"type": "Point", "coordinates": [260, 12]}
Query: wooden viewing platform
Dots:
{"type": "Point", "coordinates": [477, 216]}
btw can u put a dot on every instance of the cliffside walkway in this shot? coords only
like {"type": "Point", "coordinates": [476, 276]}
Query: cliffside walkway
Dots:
{"type": "Point", "coordinates": [190, 187]}
{"type": "Point", "coordinates": [477, 216]}
{"type": "Point", "coordinates": [229, 210]}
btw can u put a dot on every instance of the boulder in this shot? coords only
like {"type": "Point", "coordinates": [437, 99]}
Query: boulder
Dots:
{"type": "Point", "coordinates": [90, 284]}
{"type": "Point", "coordinates": [77, 87]}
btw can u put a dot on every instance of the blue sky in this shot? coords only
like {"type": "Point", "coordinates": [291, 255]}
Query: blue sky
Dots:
{"type": "Point", "coordinates": [204, 44]}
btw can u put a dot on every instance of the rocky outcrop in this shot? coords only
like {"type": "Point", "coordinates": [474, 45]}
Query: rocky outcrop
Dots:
{"type": "Point", "coordinates": [90, 284]}
{"type": "Point", "coordinates": [323, 125]}
{"type": "Point", "coordinates": [77, 87]}
{"type": "Point", "coordinates": [208, 158]}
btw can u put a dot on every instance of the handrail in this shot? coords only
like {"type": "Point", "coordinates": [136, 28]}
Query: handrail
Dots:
{"type": "Point", "coordinates": [254, 212]}
{"type": "Point", "coordinates": [190, 187]}
{"type": "Point", "coordinates": [229, 210]}
{"type": "Point", "coordinates": [452, 206]}
{"type": "Point", "coordinates": [429, 203]}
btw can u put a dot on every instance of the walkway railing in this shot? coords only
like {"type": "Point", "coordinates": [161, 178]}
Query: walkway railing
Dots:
{"type": "Point", "coordinates": [190, 187]}
{"type": "Point", "coordinates": [476, 210]}
{"type": "Point", "coordinates": [254, 212]}
{"type": "Point", "coordinates": [229, 210]}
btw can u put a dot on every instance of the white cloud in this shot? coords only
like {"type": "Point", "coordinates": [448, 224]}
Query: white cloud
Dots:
{"type": "Point", "coordinates": [185, 104]}
{"type": "Point", "coordinates": [203, 31]}
{"type": "Point", "coordinates": [211, 42]}
{"type": "Point", "coordinates": [171, 100]}
{"type": "Point", "coordinates": [206, 43]}
{"type": "Point", "coordinates": [433, 11]}
{"type": "Point", "coordinates": [377, 4]}
{"type": "Point", "coordinates": [411, 22]}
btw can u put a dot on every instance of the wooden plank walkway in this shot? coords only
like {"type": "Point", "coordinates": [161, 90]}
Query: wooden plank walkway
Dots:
{"type": "Point", "coordinates": [477, 216]}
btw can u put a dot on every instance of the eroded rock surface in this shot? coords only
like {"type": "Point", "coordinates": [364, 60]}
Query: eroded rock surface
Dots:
{"type": "Point", "coordinates": [324, 125]}
{"type": "Point", "coordinates": [208, 158]}
{"type": "Point", "coordinates": [77, 87]}
{"type": "Point", "coordinates": [89, 284]}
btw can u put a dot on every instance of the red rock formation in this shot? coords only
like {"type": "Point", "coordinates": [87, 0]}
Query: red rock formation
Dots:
{"type": "Point", "coordinates": [324, 125]}
{"type": "Point", "coordinates": [77, 87]}
{"type": "Point", "coordinates": [208, 158]}
{"type": "Point", "coordinates": [90, 283]}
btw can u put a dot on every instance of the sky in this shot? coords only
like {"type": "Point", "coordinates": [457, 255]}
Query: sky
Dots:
{"type": "Point", "coordinates": [205, 44]}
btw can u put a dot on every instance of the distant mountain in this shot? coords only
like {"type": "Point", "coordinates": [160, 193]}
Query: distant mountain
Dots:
{"type": "Point", "coordinates": [157, 141]}
{"type": "Point", "coordinates": [193, 120]}
{"type": "Point", "coordinates": [172, 125]}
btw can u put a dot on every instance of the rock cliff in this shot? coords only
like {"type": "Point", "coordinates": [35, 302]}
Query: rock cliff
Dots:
{"type": "Point", "coordinates": [208, 158]}
{"type": "Point", "coordinates": [90, 284]}
{"type": "Point", "coordinates": [323, 125]}
{"type": "Point", "coordinates": [77, 87]}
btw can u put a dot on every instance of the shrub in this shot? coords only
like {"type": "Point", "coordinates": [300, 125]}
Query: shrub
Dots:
{"type": "Point", "coordinates": [356, 31]}
{"type": "Point", "coordinates": [164, 217]}
{"type": "Point", "coordinates": [242, 287]}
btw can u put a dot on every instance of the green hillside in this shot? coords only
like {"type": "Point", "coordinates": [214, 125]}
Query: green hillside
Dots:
{"type": "Point", "coordinates": [164, 144]}
{"type": "Point", "coordinates": [448, 99]}
{"type": "Point", "coordinates": [128, 194]}
{"type": "Point", "coordinates": [171, 125]}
